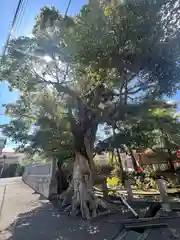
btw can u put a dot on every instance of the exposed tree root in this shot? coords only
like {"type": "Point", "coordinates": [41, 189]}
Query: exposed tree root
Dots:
{"type": "Point", "coordinates": [88, 206]}
{"type": "Point", "coordinates": [80, 195]}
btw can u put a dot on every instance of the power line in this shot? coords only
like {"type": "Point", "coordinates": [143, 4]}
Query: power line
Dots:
{"type": "Point", "coordinates": [18, 13]}
{"type": "Point", "coordinates": [12, 25]}
{"type": "Point", "coordinates": [67, 9]}
{"type": "Point", "coordinates": [20, 10]}
{"type": "Point", "coordinates": [21, 15]}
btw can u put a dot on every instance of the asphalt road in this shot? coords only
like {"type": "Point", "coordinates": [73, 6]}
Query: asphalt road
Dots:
{"type": "Point", "coordinates": [15, 198]}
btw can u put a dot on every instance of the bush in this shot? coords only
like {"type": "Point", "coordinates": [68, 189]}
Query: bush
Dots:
{"type": "Point", "coordinates": [145, 179]}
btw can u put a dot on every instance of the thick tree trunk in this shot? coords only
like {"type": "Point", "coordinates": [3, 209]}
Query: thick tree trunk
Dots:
{"type": "Point", "coordinates": [83, 197]}
{"type": "Point", "coordinates": [135, 165]}
{"type": "Point", "coordinates": [84, 133]}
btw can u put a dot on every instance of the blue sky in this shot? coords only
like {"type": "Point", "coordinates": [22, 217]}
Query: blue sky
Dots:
{"type": "Point", "coordinates": [32, 9]}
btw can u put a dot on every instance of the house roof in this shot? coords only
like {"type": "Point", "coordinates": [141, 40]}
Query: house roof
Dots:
{"type": "Point", "coordinates": [11, 157]}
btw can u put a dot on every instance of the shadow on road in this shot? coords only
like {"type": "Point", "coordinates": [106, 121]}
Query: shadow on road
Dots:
{"type": "Point", "coordinates": [47, 224]}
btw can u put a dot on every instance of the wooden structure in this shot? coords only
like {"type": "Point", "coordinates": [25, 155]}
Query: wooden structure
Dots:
{"type": "Point", "coordinates": [142, 160]}
{"type": "Point", "coordinates": [154, 163]}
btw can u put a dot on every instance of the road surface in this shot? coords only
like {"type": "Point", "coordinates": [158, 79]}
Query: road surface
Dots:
{"type": "Point", "coordinates": [15, 198]}
{"type": "Point", "coordinates": [26, 215]}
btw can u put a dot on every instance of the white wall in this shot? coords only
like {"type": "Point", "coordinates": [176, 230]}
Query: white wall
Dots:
{"type": "Point", "coordinates": [39, 177]}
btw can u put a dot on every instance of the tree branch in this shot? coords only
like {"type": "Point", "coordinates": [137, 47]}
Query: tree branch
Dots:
{"type": "Point", "coordinates": [135, 91]}
{"type": "Point", "coordinates": [60, 87]}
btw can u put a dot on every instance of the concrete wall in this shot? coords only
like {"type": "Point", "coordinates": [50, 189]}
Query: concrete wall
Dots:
{"type": "Point", "coordinates": [40, 177]}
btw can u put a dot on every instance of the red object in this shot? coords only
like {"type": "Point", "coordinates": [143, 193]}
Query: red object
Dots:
{"type": "Point", "coordinates": [149, 152]}
{"type": "Point", "coordinates": [139, 169]}
{"type": "Point", "coordinates": [178, 153]}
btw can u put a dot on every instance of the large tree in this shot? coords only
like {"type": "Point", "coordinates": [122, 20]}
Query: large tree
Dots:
{"type": "Point", "coordinates": [106, 65]}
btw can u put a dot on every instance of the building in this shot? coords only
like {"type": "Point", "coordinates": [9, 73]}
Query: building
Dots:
{"type": "Point", "coordinates": [9, 157]}
{"type": "Point", "coordinates": [10, 164]}
{"type": "Point", "coordinates": [104, 159]}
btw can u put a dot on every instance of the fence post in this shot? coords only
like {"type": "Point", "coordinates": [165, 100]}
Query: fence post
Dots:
{"type": "Point", "coordinates": [105, 189]}
{"type": "Point", "coordinates": [163, 195]}
{"type": "Point", "coordinates": [129, 190]}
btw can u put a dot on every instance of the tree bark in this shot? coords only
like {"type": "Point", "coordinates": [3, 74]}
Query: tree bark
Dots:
{"type": "Point", "coordinates": [84, 128]}
{"type": "Point", "coordinates": [133, 159]}
{"type": "Point", "coordinates": [119, 159]}
{"type": "Point", "coordinates": [120, 166]}
{"type": "Point", "coordinates": [83, 197]}
{"type": "Point", "coordinates": [80, 190]}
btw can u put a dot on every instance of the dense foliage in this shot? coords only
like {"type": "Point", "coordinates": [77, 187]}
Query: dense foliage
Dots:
{"type": "Point", "coordinates": [108, 64]}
